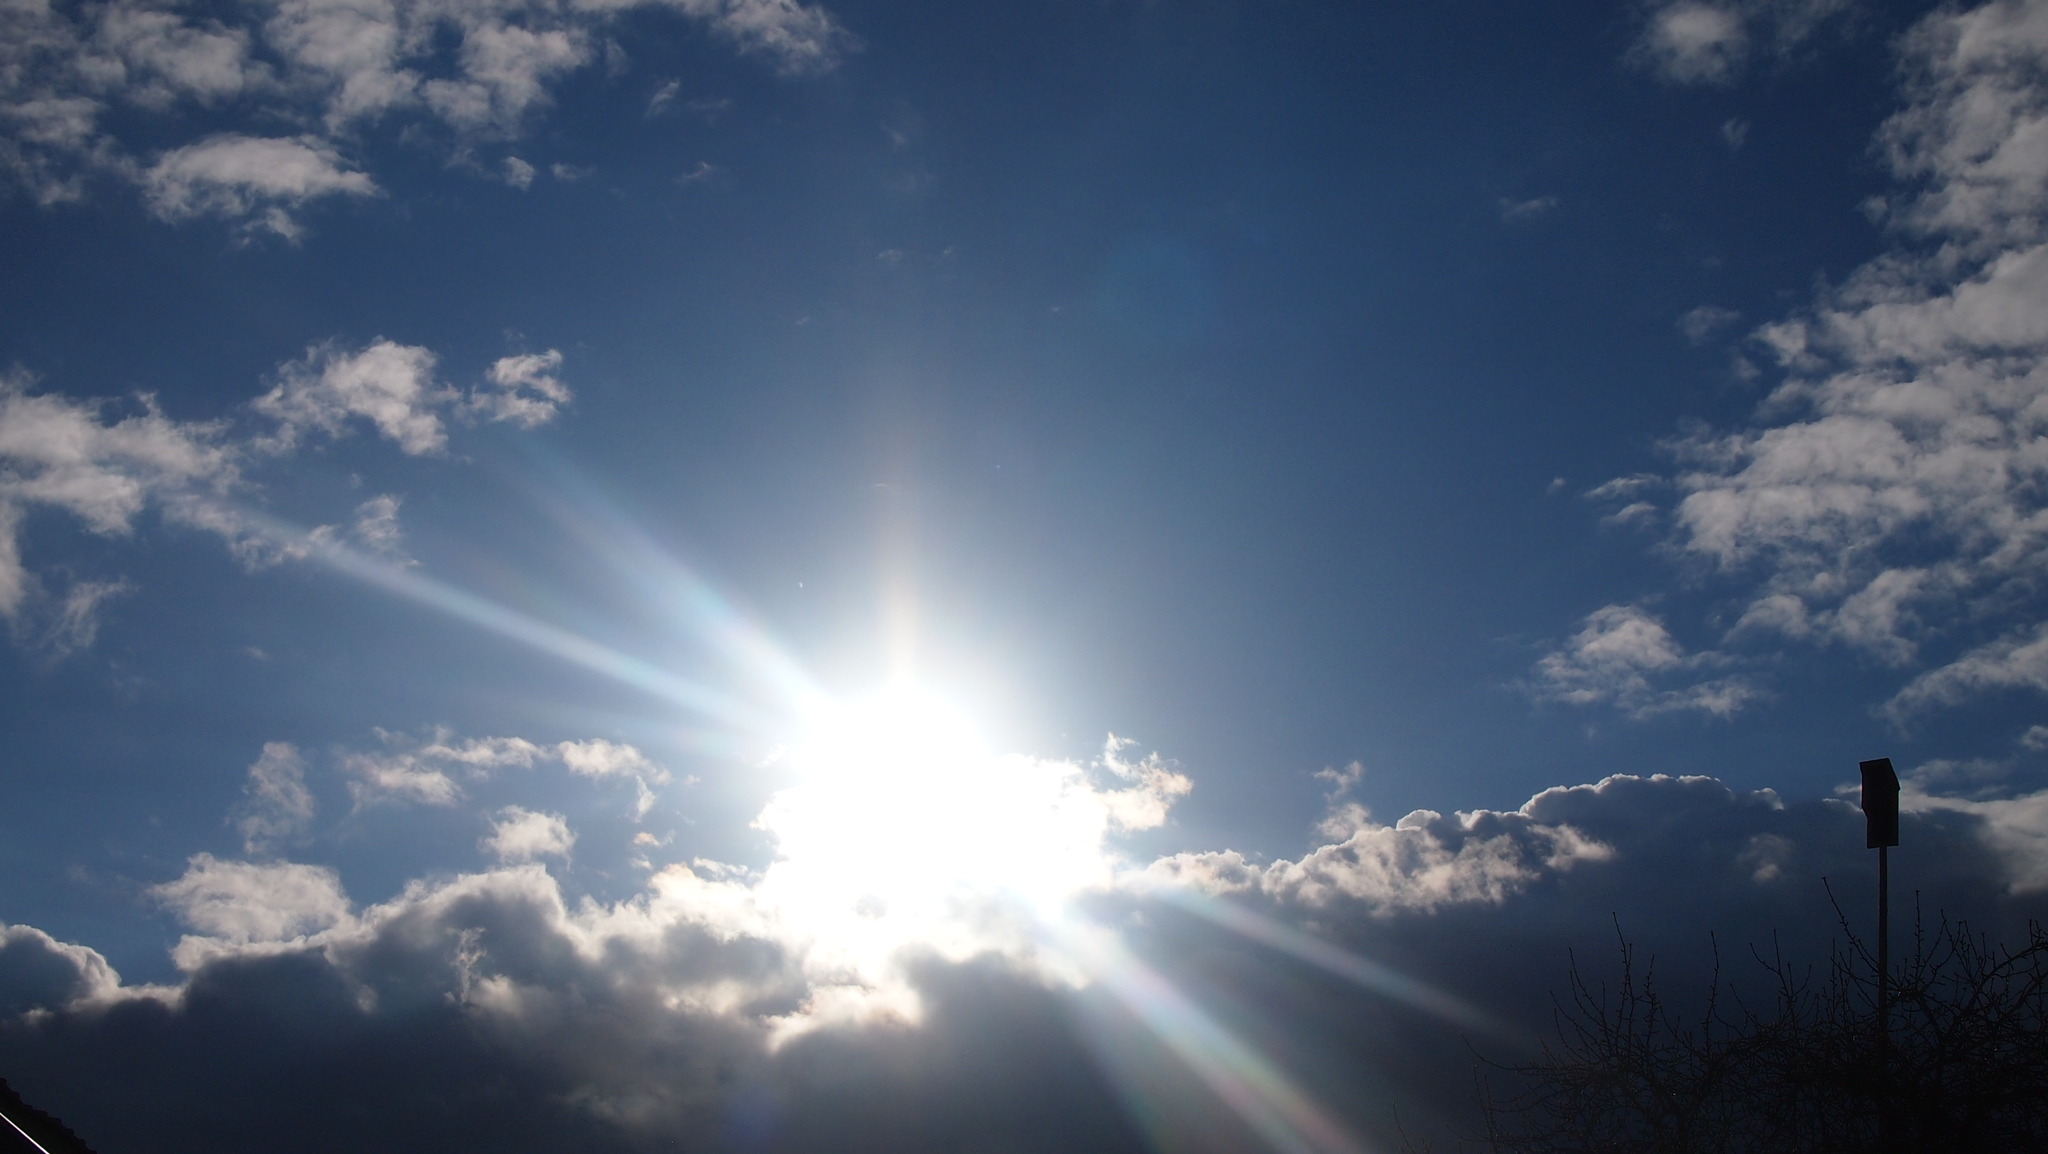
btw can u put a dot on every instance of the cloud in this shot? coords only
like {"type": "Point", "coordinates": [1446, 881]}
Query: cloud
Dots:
{"type": "Point", "coordinates": [1710, 41]}
{"type": "Point", "coordinates": [1889, 495]}
{"type": "Point", "coordinates": [375, 530]}
{"type": "Point", "coordinates": [1624, 657]}
{"type": "Point", "coordinates": [425, 772]}
{"type": "Point", "coordinates": [653, 1020]}
{"type": "Point", "coordinates": [664, 97]}
{"type": "Point", "coordinates": [523, 390]}
{"type": "Point", "coordinates": [72, 81]}
{"type": "Point", "coordinates": [249, 180]}
{"type": "Point", "coordinates": [521, 835]}
{"type": "Point", "coordinates": [1422, 863]}
{"type": "Point", "coordinates": [40, 972]}
{"type": "Point", "coordinates": [1516, 211]}
{"type": "Point", "coordinates": [68, 624]}
{"type": "Point", "coordinates": [243, 907]}
{"type": "Point", "coordinates": [106, 462]}
{"type": "Point", "coordinates": [1692, 43]}
{"type": "Point", "coordinates": [600, 758]}
{"type": "Point", "coordinates": [1704, 321]}
{"type": "Point", "coordinates": [389, 384]}
{"type": "Point", "coordinates": [518, 173]}
{"type": "Point", "coordinates": [799, 39]}
{"type": "Point", "coordinates": [276, 803]}
{"type": "Point", "coordinates": [62, 454]}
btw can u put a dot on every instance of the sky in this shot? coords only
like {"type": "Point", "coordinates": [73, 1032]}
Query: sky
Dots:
{"type": "Point", "coordinates": [748, 574]}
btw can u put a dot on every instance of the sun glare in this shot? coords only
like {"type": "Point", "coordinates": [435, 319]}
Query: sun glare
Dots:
{"type": "Point", "coordinates": [904, 826]}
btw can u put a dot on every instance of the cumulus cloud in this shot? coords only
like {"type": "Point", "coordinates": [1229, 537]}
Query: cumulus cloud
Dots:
{"type": "Point", "coordinates": [657, 1019]}
{"type": "Point", "coordinates": [387, 384]}
{"type": "Point", "coordinates": [72, 78]}
{"type": "Point", "coordinates": [1888, 497]}
{"type": "Point", "coordinates": [1625, 657]}
{"type": "Point", "coordinates": [521, 835]}
{"type": "Point", "coordinates": [37, 972]}
{"type": "Point", "coordinates": [249, 179]}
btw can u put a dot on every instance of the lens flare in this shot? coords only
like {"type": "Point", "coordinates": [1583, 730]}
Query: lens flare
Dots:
{"type": "Point", "coordinates": [904, 828]}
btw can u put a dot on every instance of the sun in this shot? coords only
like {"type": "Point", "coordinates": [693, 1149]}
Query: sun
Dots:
{"type": "Point", "coordinates": [903, 826]}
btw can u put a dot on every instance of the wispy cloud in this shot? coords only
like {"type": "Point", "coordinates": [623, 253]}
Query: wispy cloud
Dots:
{"type": "Point", "coordinates": [1889, 496]}
{"type": "Point", "coordinates": [1517, 211]}
{"type": "Point", "coordinates": [104, 462]}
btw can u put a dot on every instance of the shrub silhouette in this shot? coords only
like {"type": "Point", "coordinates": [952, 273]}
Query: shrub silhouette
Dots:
{"type": "Point", "coordinates": [1963, 1066]}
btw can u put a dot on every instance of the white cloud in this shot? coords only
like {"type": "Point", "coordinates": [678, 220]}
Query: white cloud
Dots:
{"type": "Point", "coordinates": [238, 905]}
{"type": "Point", "coordinates": [1890, 496]}
{"type": "Point", "coordinates": [1624, 657]}
{"type": "Point", "coordinates": [72, 622]}
{"type": "Point", "coordinates": [426, 772]}
{"type": "Point", "coordinates": [389, 384]}
{"type": "Point", "coordinates": [341, 64]}
{"type": "Point", "coordinates": [71, 456]}
{"type": "Point", "coordinates": [518, 173]}
{"type": "Point", "coordinates": [798, 38]}
{"type": "Point", "coordinates": [1700, 323]}
{"type": "Point", "coordinates": [375, 530]}
{"type": "Point", "coordinates": [1692, 42]}
{"type": "Point", "coordinates": [277, 804]}
{"type": "Point", "coordinates": [402, 776]}
{"type": "Point", "coordinates": [251, 180]}
{"type": "Point", "coordinates": [1421, 863]}
{"type": "Point", "coordinates": [1709, 41]}
{"type": "Point", "coordinates": [521, 835]}
{"type": "Point", "coordinates": [663, 97]}
{"type": "Point", "coordinates": [523, 390]}
{"type": "Point", "coordinates": [600, 758]}
{"type": "Point", "coordinates": [1515, 211]}
{"type": "Point", "coordinates": [62, 454]}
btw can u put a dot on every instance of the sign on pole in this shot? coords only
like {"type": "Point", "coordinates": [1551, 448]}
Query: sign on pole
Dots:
{"type": "Point", "coordinates": [1880, 803]}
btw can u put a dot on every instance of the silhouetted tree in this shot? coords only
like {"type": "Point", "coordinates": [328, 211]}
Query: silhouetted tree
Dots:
{"type": "Point", "coordinates": [1963, 1067]}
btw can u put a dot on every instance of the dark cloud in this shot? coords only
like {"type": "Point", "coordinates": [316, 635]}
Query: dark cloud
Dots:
{"type": "Point", "coordinates": [485, 1013]}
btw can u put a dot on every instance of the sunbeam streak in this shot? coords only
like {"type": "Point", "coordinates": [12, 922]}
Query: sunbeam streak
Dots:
{"type": "Point", "coordinates": [903, 830]}
{"type": "Point", "coordinates": [1245, 1080]}
{"type": "Point", "coordinates": [668, 585]}
{"type": "Point", "coordinates": [510, 623]}
{"type": "Point", "coordinates": [1374, 976]}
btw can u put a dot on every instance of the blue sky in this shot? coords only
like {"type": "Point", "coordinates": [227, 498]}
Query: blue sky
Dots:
{"type": "Point", "coordinates": [477, 448]}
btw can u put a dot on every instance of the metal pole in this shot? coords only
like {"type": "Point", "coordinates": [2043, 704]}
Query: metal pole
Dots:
{"type": "Point", "coordinates": [1884, 946]}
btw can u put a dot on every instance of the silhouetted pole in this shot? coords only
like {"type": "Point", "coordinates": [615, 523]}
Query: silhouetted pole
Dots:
{"type": "Point", "coordinates": [1881, 832]}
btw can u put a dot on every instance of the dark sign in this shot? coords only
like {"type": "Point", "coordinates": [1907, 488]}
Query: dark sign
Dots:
{"type": "Point", "coordinates": [1880, 803]}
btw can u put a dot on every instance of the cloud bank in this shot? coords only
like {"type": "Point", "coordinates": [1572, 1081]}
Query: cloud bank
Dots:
{"type": "Point", "coordinates": [664, 1017]}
